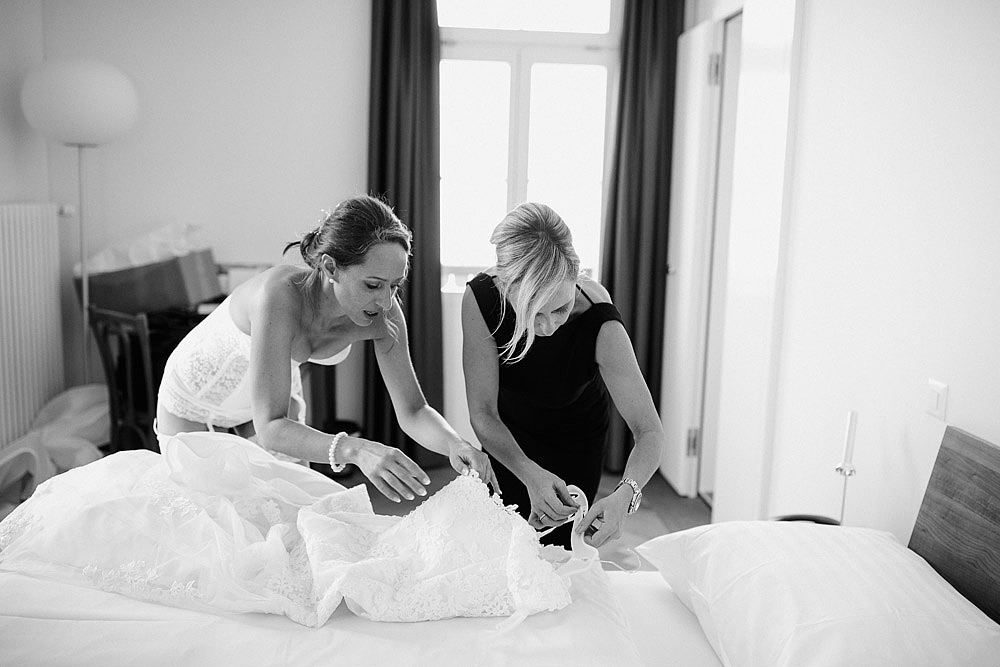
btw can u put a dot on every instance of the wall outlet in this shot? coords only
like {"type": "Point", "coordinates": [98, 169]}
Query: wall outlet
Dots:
{"type": "Point", "coordinates": [937, 399]}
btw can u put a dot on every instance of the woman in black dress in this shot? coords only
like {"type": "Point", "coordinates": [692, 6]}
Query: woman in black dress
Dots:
{"type": "Point", "coordinates": [544, 354]}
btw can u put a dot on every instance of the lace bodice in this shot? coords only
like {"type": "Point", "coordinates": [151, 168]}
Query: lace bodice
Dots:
{"type": "Point", "coordinates": [218, 523]}
{"type": "Point", "coordinates": [206, 378]}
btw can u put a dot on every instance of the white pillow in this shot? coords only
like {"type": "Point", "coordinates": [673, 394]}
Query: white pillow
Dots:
{"type": "Point", "coordinates": [792, 593]}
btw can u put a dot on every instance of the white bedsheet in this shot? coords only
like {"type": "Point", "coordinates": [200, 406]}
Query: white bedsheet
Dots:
{"type": "Point", "coordinates": [666, 633]}
{"type": "Point", "coordinates": [45, 623]}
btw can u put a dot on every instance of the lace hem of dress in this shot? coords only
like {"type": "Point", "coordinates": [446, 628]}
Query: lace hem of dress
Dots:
{"type": "Point", "coordinates": [178, 405]}
{"type": "Point", "coordinates": [14, 525]}
{"type": "Point", "coordinates": [138, 580]}
{"type": "Point", "coordinates": [460, 553]}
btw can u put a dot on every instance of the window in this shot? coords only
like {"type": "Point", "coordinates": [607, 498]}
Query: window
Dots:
{"type": "Point", "coordinates": [527, 89]}
{"type": "Point", "coordinates": [582, 16]}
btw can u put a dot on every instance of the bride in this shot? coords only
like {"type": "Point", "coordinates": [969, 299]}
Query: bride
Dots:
{"type": "Point", "coordinates": [238, 369]}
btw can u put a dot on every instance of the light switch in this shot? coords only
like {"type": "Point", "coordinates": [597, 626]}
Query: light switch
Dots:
{"type": "Point", "coordinates": [937, 399]}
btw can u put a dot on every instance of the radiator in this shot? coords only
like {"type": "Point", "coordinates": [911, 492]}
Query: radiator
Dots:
{"type": "Point", "coordinates": [31, 345]}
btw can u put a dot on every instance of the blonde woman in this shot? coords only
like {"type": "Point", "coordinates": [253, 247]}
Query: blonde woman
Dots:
{"type": "Point", "coordinates": [545, 354]}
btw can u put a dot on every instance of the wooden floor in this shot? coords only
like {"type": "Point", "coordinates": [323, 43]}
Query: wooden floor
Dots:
{"type": "Point", "coordinates": [662, 511]}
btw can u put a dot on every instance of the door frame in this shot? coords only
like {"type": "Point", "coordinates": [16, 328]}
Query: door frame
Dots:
{"type": "Point", "coordinates": [692, 197]}
{"type": "Point", "coordinates": [718, 244]}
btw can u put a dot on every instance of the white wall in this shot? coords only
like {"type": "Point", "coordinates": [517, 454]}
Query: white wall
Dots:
{"type": "Point", "coordinates": [892, 251]}
{"type": "Point", "coordinates": [753, 275]}
{"type": "Point", "coordinates": [23, 166]}
{"type": "Point", "coordinates": [887, 258]}
{"type": "Point", "coordinates": [253, 117]}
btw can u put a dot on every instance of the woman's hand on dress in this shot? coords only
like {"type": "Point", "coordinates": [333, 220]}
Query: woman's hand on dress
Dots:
{"type": "Point", "coordinates": [551, 503]}
{"type": "Point", "coordinates": [603, 522]}
{"type": "Point", "coordinates": [465, 457]}
{"type": "Point", "coordinates": [390, 470]}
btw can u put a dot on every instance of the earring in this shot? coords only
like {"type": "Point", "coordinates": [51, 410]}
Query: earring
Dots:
{"type": "Point", "coordinates": [330, 281]}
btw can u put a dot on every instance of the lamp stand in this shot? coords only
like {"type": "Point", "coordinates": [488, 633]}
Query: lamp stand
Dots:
{"type": "Point", "coordinates": [84, 274]}
{"type": "Point", "coordinates": [846, 467]}
{"type": "Point", "coordinates": [846, 470]}
{"type": "Point", "coordinates": [80, 103]}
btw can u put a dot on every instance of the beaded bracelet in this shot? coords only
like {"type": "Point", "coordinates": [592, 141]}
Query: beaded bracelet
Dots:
{"type": "Point", "coordinates": [337, 467]}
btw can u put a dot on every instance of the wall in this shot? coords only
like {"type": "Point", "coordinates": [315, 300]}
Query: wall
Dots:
{"type": "Point", "coordinates": [750, 339]}
{"type": "Point", "coordinates": [23, 166]}
{"type": "Point", "coordinates": [253, 117]}
{"type": "Point", "coordinates": [892, 251]}
{"type": "Point", "coordinates": [886, 272]}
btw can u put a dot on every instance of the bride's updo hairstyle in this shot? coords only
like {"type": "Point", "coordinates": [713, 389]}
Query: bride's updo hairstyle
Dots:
{"type": "Point", "coordinates": [348, 232]}
{"type": "Point", "coordinates": [534, 256]}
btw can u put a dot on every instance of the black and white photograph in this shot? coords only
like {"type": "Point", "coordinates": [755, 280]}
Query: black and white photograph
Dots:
{"type": "Point", "coordinates": [489, 333]}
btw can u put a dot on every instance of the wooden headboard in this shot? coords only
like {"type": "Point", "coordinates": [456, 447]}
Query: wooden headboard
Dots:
{"type": "Point", "coordinates": [958, 527]}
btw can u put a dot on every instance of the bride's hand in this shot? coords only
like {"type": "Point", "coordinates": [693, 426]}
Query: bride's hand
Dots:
{"type": "Point", "coordinates": [464, 457]}
{"type": "Point", "coordinates": [390, 470]}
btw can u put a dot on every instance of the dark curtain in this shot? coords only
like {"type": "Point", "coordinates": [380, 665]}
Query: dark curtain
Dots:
{"type": "Point", "coordinates": [404, 167]}
{"type": "Point", "coordinates": [634, 264]}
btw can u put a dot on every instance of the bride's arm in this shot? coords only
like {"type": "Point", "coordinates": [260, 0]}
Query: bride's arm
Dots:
{"type": "Point", "coordinates": [274, 320]}
{"type": "Point", "coordinates": [416, 417]}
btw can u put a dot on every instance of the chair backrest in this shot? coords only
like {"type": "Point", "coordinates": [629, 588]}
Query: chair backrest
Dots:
{"type": "Point", "coordinates": [123, 342]}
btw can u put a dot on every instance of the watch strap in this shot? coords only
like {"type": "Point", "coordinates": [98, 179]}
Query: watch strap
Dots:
{"type": "Point", "coordinates": [633, 504]}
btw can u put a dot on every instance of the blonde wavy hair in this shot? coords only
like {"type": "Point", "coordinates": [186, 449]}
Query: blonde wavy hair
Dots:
{"type": "Point", "coordinates": [535, 255]}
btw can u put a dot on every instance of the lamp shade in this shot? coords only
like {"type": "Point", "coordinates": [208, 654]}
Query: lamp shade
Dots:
{"type": "Point", "coordinates": [79, 102]}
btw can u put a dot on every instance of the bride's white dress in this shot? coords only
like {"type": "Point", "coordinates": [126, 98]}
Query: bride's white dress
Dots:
{"type": "Point", "coordinates": [217, 523]}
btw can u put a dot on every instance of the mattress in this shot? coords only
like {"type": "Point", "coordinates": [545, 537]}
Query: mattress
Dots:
{"type": "Point", "coordinates": [616, 618]}
{"type": "Point", "coordinates": [665, 632]}
{"type": "Point", "coordinates": [43, 622]}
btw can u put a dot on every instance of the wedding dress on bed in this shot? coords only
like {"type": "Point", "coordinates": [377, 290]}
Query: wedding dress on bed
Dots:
{"type": "Point", "coordinates": [216, 523]}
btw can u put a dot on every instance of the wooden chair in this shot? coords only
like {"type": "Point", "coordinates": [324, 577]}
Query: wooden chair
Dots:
{"type": "Point", "coordinates": [123, 342]}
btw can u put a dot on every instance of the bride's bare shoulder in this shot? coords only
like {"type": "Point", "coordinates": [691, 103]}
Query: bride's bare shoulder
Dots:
{"type": "Point", "coordinates": [278, 291]}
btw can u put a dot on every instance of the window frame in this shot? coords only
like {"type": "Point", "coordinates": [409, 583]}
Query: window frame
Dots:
{"type": "Point", "coordinates": [521, 49]}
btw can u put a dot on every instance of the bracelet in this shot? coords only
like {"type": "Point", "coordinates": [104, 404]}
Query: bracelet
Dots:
{"type": "Point", "coordinates": [633, 504]}
{"type": "Point", "coordinates": [337, 467]}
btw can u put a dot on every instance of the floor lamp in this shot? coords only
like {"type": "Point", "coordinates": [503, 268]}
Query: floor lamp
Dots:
{"type": "Point", "coordinates": [83, 104]}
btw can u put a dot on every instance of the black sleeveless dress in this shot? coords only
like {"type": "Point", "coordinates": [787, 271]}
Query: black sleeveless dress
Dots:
{"type": "Point", "coordinates": [554, 401]}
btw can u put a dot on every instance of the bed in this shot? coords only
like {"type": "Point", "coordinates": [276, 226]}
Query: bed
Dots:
{"type": "Point", "coordinates": [799, 593]}
{"type": "Point", "coordinates": [735, 593]}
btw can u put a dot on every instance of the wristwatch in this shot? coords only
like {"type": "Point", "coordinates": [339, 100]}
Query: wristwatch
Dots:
{"type": "Point", "coordinates": [633, 504]}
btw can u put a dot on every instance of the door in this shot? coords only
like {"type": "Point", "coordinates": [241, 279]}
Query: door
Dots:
{"type": "Point", "coordinates": [704, 126]}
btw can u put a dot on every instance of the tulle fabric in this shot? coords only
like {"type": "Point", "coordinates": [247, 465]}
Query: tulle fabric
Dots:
{"type": "Point", "coordinates": [216, 523]}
